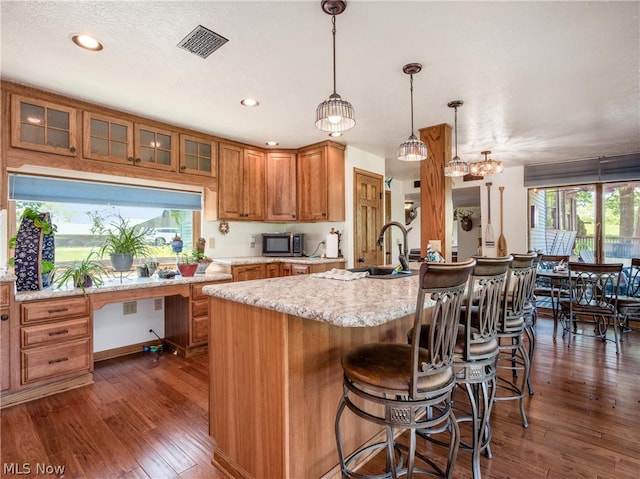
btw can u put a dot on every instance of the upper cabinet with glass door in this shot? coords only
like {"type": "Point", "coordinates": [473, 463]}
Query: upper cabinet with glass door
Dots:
{"type": "Point", "coordinates": [43, 126]}
{"type": "Point", "coordinates": [198, 156]}
{"type": "Point", "coordinates": [121, 141]}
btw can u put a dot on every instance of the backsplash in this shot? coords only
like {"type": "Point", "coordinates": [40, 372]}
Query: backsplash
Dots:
{"type": "Point", "coordinates": [238, 241]}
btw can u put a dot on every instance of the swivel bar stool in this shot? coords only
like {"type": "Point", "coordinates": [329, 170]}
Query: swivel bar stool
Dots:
{"type": "Point", "coordinates": [476, 351]}
{"type": "Point", "coordinates": [513, 356]}
{"type": "Point", "coordinates": [408, 387]}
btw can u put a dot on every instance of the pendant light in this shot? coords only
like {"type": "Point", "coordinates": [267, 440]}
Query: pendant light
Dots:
{"type": "Point", "coordinates": [487, 166]}
{"type": "Point", "coordinates": [456, 167]}
{"type": "Point", "coordinates": [334, 114]}
{"type": "Point", "coordinates": [412, 149]}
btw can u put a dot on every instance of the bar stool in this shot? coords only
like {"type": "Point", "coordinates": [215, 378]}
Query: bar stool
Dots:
{"type": "Point", "coordinates": [531, 316]}
{"type": "Point", "coordinates": [402, 386]}
{"type": "Point", "coordinates": [513, 355]}
{"type": "Point", "coordinates": [476, 351]}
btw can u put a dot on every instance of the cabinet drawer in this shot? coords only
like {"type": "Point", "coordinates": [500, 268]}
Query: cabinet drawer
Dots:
{"type": "Point", "coordinates": [54, 332]}
{"type": "Point", "coordinates": [54, 309]}
{"type": "Point", "coordinates": [196, 290]}
{"type": "Point", "coordinates": [200, 308]}
{"type": "Point", "coordinates": [49, 362]}
{"type": "Point", "coordinates": [200, 329]}
{"type": "Point", "coordinates": [4, 294]}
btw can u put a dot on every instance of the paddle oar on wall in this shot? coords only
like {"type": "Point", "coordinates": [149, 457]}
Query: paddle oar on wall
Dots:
{"type": "Point", "coordinates": [502, 242]}
{"type": "Point", "coordinates": [488, 235]}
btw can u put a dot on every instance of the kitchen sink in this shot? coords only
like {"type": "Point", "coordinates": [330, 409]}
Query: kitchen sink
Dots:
{"type": "Point", "coordinates": [383, 272]}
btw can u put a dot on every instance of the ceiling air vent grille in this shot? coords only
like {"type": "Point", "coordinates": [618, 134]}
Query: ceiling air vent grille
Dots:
{"type": "Point", "coordinates": [202, 41]}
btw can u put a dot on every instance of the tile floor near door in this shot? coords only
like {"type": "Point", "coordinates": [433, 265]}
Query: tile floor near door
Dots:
{"type": "Point", "coordinates": [146, 419]}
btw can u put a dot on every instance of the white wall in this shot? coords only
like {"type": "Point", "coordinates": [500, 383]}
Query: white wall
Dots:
{"type": "Point", "coordinates": [515, 208]}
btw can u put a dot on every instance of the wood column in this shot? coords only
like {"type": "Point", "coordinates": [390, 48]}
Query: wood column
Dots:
{"type": "Point", "coordinates": [436, 205]}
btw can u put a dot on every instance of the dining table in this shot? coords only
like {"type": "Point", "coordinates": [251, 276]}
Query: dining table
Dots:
{"type": "Point", "coordinates": [557, 283]}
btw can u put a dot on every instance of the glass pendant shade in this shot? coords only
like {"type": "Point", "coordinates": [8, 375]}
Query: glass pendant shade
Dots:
{"type": "Point", "coordinates": [456, 167]}
{"type": "Point", "coordinates": [412, 150]}
{"type": "Point", "coordinates": [335, 114]}
{"type": "Point", "coordinates": [486, 166]}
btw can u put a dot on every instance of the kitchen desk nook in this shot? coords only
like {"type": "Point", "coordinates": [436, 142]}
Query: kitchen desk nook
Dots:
{"type": "Point", "coordinates": [275, 373]}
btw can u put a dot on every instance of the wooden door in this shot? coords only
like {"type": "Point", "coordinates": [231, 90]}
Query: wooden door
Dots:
{"type": "Point", "coordinates": [312, 185]}
{"type": "Point", "coordinates": [230, 185]}
{"type": "Point", "coordinates": [281, 186]}
{"type": "Point", "coordinates": [254, 185]}
{"type": "Point", "coordinates": [368, 188]}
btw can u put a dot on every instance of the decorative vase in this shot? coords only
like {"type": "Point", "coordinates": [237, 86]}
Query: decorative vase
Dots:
{"type": "Point", "coordinates": [121, 261]}
{"type": "Point", "coordinates": [187, 269]}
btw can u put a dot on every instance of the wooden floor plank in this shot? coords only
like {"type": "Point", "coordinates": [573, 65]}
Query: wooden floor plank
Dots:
{"type": "Point", "coordinates": [146, 417]}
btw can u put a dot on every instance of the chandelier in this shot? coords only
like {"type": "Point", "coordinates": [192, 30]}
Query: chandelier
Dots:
{"type": "Point", "coordinates": [486, 166]}
{"type": "Point", "coordinates": [456, 167]}
{"type": "Point", "coordinates": [334, 114]}
{"type": "Point", "coordinates": [412, 149]}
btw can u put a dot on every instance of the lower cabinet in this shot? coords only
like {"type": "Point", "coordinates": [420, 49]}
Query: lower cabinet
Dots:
{"type": "Point", "coordinates": [8, 321]}
{"type": "Point", "coordinates": [248, 272]}
{"type": "Point", "coordinates": [55, 340]}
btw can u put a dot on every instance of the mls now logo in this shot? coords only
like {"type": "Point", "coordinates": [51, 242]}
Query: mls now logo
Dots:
{"type": "Point", "coordinates": [26, 468]}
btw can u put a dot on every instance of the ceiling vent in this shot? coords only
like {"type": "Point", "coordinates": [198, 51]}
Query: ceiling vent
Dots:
{"type": "Point", "coordinates": [202, 41]}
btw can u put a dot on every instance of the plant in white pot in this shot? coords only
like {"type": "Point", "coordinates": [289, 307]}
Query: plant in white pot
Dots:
{"type": "Point", "coordinates": [123, 243]}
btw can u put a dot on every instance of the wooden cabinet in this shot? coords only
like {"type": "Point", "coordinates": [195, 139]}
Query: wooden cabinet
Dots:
{"type": "Point", "coordinates": [321, 182]}
{"type": "Point", "coordinates": [43, 126]}
{"type": "Point", "coordinates": [241, 183]}
{"type": "Point", "coordinates": [199, 333]}
{"type": "Point", "coordinates": [7, 322]}
{"type": "Point", "coordinates": [198, 156]}
{"type": "Point", "coordinates": [289, 269]}
{"type": "Point", "coordinates": [272, 270]}
{"type": "Point", "coordinates": [281, 186]}
{"type": "Point", "coordinates": [55, 339]}
{"type": "Point", "coordinates": [117, 140]}
{"type": "Point", "coordinates": [248, 272]}
{"type": "Point", "coordinates": [300, 269]}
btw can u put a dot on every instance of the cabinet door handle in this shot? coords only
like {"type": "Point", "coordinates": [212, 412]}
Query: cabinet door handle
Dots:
{"type": "Point", "coordinates": [130, 158]}
{"type": "Point", "coordinates": [61, 360]}
{"type": "Point", "coordinates": [4, 317]}
{"type": "Point", "coordinates": [57, 333]}
{"type": "Point", "coordinates": [138, 160]}
{"type": "Point", "coordinates": [59, 310]}
{"type": "Point", "coordinates": [72, 149]}
{"type": "Point", "coordinates": [183, 167]}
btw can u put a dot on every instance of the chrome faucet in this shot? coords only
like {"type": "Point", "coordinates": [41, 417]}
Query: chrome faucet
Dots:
{"type": "Point", "coordinates": [403, 255]}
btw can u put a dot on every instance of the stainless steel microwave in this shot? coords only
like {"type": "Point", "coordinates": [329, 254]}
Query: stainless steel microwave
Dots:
{"type": "Point", "coordinates": [282, 244]}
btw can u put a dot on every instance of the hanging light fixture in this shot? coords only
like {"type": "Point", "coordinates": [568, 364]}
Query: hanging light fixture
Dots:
{"type": "Point", "coordinates": [456, 167]}
{"type": "Point", "coordinates": [334, 114]}
{"type": "Point", "coordinates": [412, 149]}
{"type": "Point", "coordinates": [486, 166]}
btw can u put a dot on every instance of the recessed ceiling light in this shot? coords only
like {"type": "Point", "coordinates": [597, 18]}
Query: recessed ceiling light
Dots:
{"type": "Point", "coordinates": [249, 102]}
{"type": "Point", "coordinates": [87, 42]}
{"type": "Point", "coordinates": [272, 143]}
{"type": "Point", "coordinates": [335, 134]}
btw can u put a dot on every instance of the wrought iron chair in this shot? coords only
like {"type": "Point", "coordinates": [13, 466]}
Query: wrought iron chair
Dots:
{"type": "Point", "coordinates": [593, 292]}
{"type": "Point", "coordinates": [405, 386]}
{"type": "Point", "coordinates": [476, 351]}
{"type": "Point", "coordinates": [551, 287]}
{"type": "Point", "coordinates": [629, 303]}
{"type": "Point", "coordinates": [514, 356]}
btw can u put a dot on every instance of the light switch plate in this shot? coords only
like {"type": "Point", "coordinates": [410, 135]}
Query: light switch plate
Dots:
{"type": "Point", "coordinates": [436, 245]}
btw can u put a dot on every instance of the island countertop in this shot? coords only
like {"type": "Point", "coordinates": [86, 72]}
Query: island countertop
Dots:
{"type": "Point", "coordinates": [361, 302]}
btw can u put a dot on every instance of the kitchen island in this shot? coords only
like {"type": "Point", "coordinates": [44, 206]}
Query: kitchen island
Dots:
{"type": "Point", "coordinates": [275, 373]}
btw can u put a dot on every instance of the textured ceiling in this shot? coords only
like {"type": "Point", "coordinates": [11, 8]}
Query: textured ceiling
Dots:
{"type": "Point", "coordinates": [540, 81]}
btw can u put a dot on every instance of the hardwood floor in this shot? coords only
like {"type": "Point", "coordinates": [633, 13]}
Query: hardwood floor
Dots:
{"type": "Point", "coordinates": [149, 420]}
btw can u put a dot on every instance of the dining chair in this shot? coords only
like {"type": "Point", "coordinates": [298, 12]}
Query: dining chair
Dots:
{"type": "Point", "coordinates": [551, 287]}
{"type": "Point", "coordinates": [629, 303]}
{"type": "Point", "coordinates": [593, 293]}
{"type": "Point", "coordinates": [408, 387]}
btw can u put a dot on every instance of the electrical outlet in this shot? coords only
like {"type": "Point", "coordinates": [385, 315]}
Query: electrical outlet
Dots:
{"type": "Point", "coordinates": [130, 307]}
{"type": "Point", "coordinates": [212, 243]}
{"type": "Point", "coordinates": [157, 304]}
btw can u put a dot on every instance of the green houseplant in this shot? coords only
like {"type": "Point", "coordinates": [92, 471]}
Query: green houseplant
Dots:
{"type": "Point", "coordinates": [84, 273]}
{"type": "Point", "coordinates": [124, 242]}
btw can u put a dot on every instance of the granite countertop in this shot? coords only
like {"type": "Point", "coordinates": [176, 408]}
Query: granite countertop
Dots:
{"type": "Point", "coordinates": [7, 277]}
{"type": "Point", "coordinates": [242, 260]}
{"type": "Point", "coordinates": [116, 285]}
{"type": "Point", "coordinates": [357, 303]}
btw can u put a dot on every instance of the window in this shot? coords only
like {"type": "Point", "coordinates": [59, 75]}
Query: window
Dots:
{"type": "Point", "coordinates": [597, 222]}
{"type": "Point", "coordinates": [80, 210]}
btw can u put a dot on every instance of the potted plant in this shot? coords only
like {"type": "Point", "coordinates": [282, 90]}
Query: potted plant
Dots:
{"type": "Point", "coordinates": [84, 273]}
{"type": "Point", "coordinates": [187, 265]}
{"type": "Point", "coordinates": [177, 244]}
{"type": "Point", "coordinates": [123, 243]}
